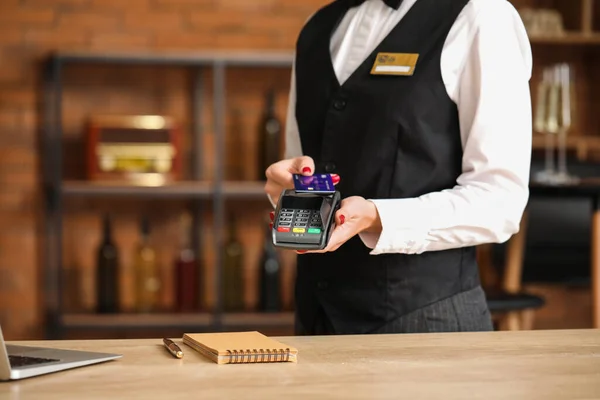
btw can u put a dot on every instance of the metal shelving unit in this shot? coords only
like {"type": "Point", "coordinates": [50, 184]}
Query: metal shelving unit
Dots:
{"type": "Point", "coordinates": [172, 320]}
{"type": "Point", "coordinates": [217, 190]}
{"type": "Point", "coordinates": [186, 189]}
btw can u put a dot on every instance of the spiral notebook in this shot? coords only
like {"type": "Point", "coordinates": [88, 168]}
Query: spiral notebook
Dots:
{"type": "Point", "coordinates": [240, 347]}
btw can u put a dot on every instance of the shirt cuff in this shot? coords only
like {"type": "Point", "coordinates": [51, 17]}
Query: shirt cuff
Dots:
{"type": "Point", "coordinates": [404, 230]}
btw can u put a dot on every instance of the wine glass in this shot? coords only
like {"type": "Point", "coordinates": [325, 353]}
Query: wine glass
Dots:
{"type": "Point", "coordinates": [563, 76]}
{"type": "Point", "coordinates": [541, 125]}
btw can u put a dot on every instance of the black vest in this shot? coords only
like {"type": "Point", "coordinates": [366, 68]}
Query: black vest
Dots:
{"type": "Point", "coordinates": [387, 137]}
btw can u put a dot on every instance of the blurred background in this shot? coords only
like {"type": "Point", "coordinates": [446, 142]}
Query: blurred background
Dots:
{"type": "Point", "coordinates": [133, 140]}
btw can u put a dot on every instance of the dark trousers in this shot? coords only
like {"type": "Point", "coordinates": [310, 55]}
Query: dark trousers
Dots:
{"type": "Point", "coordinates": [464, 312]}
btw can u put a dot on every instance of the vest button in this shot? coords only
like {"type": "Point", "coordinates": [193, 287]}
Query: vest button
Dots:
{"type": "Point", "coordinates": [329, 167]}
{"type": "Point", "coordinates": [322, 285]}
{"type": "Point", "coordinates": [339, 104]}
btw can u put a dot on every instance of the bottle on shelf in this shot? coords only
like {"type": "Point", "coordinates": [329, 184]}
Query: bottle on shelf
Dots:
{"type": "Point", "coordinates": [269, 140]}
{"type": "Point", "coordinates": [233, 280]}
{"type": "Point", "coordinates": [107, 272]}
{"type": "Point", "coordinates": [147, 279]}
{"type": "Point", "coordinates": [186, 270]}
{"type": "Point", "coordinates": [270, 276]}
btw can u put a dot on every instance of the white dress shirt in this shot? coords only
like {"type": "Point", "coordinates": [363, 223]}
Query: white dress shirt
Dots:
{"type": "Point", "coordinates": [486, 66]}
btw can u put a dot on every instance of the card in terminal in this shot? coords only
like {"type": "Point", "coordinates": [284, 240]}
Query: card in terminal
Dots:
{"type": "Point", "coordinates": [304, 221]}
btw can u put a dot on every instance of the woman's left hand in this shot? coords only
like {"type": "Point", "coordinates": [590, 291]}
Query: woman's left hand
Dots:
{"type": "Point", "coordinates": [355, 215]}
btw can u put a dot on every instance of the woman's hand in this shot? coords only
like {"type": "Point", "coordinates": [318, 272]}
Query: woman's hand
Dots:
{"type": "Point", "coordinates": [355, 215]}
{"type": "Point", "coordinates": [280, 175]}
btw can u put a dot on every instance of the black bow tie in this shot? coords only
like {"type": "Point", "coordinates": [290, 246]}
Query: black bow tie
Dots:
{"type": "Point", "coordinates": [395, 4]}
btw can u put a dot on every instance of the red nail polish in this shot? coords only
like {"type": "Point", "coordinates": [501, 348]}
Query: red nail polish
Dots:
{"type": "Point", "coordinates": [301, 251]}
{"type": "Point", "coordinates": [270, 225]}
{"type": "Point", "coordinates": [335, 178]}
{"type": "Point", "coordinates": [272, 215]}
{"type": "Point", "coordinates": [342, 219]}
{"type": "Point", "coordinates": [306, 170]}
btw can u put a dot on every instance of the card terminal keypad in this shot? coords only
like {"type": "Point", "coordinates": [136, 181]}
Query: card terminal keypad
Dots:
{"type": "Point", "coordinates": [300, 222]}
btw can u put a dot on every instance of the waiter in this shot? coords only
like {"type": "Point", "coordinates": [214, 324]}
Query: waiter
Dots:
{"type": "Point", "coordinates": [421, 111]}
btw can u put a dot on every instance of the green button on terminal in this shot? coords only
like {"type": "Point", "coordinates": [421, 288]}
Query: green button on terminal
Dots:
{"type": "Point", "coordinates": [314, 230]}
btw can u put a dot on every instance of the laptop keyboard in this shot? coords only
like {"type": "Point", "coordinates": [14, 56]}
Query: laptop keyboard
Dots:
{"type": "Point", "coordinates": [23, 361]}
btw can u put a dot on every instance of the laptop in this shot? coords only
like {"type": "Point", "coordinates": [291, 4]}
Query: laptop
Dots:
{"type": "Point", "coordinates": [18, 362]}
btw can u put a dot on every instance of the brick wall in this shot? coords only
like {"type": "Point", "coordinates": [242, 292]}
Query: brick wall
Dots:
{"type": "Point", "coordinates": [29, 30]}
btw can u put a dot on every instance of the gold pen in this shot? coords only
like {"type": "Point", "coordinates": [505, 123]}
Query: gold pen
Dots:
{"type": "Point", "coordinates": [173, 348]}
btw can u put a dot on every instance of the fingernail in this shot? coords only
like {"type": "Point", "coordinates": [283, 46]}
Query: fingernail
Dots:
{"type": "Point", "coordinates": [342, 219]}
{"type": "Point", "coordinates": [335, 178]}
{"type": "Point", "coordinates": [270, 225]}
{"type": "Point", "coordinates": [306, 170]}
{"type": "Point", "coordinates": [301, 251]}
{"type": "Point", "coordinates": [272, 215]}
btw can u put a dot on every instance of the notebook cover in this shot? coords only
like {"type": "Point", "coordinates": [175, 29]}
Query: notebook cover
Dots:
{"type": "Point", "coordinates": [240, 347]}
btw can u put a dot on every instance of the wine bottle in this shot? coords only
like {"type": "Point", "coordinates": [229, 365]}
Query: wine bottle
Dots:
{"type": "Point", "coordinates": [233, 257]}
{"type": "Point", "coordinates": [107, 272]}
{"type": "Point", "coordinates": [269, 142]}
{"type": "Point", "coordinates": [146, 270]}
{"type": "Point", "coordinates": [186, 270]}
{"type": "Point", "coordinates": [270, 276]}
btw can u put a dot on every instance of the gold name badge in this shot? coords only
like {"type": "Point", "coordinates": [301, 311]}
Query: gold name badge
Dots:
{"type": "Point", "coordinates": [395, 64]}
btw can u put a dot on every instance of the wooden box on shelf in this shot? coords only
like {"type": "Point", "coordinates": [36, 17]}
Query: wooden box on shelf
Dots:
{"type": "Point", "coordinates": [138, 149]}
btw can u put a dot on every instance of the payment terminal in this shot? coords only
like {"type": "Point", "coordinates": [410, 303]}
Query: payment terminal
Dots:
{"type": "Point", "coordinates": [304, 221]}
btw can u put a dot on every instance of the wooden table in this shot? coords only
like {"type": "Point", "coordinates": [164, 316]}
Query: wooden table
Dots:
{"type": "Point", "coordinates": [587, 188]}
{"type": "Point", "coordinates": [492, 365]}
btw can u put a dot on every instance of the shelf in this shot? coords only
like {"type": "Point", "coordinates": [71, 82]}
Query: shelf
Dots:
{"type": "Point", "coordinates": [581, 144]}
{"type": "Point", "coordinates": [569, 38]}
{"type": "Point", "coordinates": [174, 190]}
{"type": "Point", "coordinates": [245, 190]}
{"type": "Point", "coordinates": [258, 319]}
{"type": "Point", "coordinates": [135, 321]}
{"type": "Point", "coordinates": [175, 320]}
{"type": "Point", "coordinates": [231, 58]}
{"type": "Point", "coordinates": [187, 189]}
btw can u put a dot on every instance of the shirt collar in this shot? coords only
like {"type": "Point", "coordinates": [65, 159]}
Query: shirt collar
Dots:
{"type": "Point", "coordinates": [395, 4]}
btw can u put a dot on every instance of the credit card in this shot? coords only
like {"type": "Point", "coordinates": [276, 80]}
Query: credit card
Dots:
{"type": "Point", "coordinates": [319, 183]}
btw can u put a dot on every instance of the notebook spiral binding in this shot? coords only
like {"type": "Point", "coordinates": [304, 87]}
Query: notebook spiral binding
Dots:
{"type": "Point", "coordinates": [252, 356]}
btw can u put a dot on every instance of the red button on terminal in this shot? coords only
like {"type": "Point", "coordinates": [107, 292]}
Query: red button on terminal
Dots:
{"type": "Point", "coordinates": [283, 229]}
